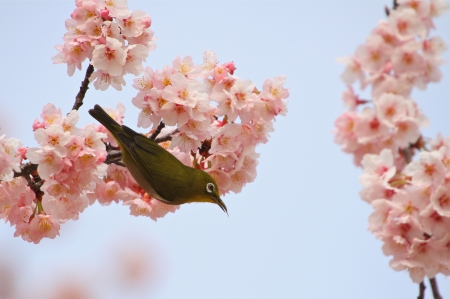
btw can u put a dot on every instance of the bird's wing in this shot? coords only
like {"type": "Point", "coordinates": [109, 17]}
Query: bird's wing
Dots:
{"type": "Point", "coordinates": [169, 174]}
{"type": "Point", "coordinates": [144, 177]}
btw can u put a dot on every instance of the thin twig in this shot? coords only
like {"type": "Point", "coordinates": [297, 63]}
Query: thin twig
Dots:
{"type": "Point", "coordinates": [26, 169]}
{"type": "Point", "coordinates": [83, 88]}
{"type": "Point", "coordinates": [157, 131]}
{"type": "Point", "coordinates": [395, 5]}
{"type": "Point", "coordinates": [434, 288]}
{"type": "Point", "coordinates": [166, 137]}
{"type": "Point", "coordinates": [422, 288]}
{"type": "Point", "coordinates": [113, 156]}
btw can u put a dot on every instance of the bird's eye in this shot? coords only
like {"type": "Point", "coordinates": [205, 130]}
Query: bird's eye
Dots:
{"type": "Point", "coordinates": [210, 187]}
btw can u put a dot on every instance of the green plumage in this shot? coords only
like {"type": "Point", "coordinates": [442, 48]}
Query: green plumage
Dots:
{"type": "Point", "coordinates": [156, 170]}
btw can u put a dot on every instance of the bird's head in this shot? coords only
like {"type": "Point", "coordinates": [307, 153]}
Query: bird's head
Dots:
{"type": "Point", "coordinates": [208, 191]}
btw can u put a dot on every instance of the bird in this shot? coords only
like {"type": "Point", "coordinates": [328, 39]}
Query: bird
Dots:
{"type": "Point", "coordinates": [156, 170]}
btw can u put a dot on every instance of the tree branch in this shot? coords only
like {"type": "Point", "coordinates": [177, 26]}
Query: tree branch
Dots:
{"type": "Point", "coordinates": [421, 291]}
{"type": "Point", "coordinates": [166, 137]}
{"type": "Point", "coordinates": [157, 131]}
{"type": "Point", "coordinates": [113, 155]}
{"type": "Point", "coordinates": [83, 88]}
{"type": "Point", "coordinates": [434, 288]}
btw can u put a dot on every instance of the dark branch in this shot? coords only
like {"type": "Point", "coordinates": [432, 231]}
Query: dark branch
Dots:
{"type": "Point", "coordinates": [421, 291]}
{"type": "Point", "coordinates": [434, 288]}
{"type": "Point", "coordinates": [83, 88]}
{"type": "Point", "coordinates": [157, 131]}
{"type": "Point", "coordinates": [166, 137]}
{"type": "Point", "coordinates": [395, 5]}
{"type": "Point", "coordinates": [113, 156]}
{"type": "Point", "coordinates": [26, 170]}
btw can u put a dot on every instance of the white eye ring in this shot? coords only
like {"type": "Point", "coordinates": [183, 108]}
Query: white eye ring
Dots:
{"type": "Point", "coordinates": [210, 187]}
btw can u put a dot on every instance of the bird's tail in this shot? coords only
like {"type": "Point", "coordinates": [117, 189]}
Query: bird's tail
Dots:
{"type": "Point", "coordinates": [99, 114]}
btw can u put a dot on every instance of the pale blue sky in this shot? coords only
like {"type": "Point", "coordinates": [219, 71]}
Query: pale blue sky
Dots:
{"type": "Point", "coordinates": [299, 230]}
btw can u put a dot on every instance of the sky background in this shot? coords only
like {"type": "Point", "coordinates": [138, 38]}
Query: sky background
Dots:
{"type": "Point", "coordinates": [298, 231]}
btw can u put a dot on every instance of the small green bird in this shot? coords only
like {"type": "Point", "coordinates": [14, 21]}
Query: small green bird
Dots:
{"type": "Point", "coordinates": [156, 170]}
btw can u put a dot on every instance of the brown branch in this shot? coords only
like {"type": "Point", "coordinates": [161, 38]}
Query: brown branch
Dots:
{"type": "Point", "coordinates": [113, 156]}
{"type": "Point", "coordinates": [166, 137]}
{"type": "Point", "coordinates": [83, 88]}
{"type": "Point", "coordinates": [421, 291]}
{"type": "Point", "coordinates": [26, 169]}
{"type": "Point", "coordinates": [157, 131]}
{"type": "Point", "coordinates": [434, 288]}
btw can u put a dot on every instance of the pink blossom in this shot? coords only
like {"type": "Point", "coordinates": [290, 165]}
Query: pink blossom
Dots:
{"type": "Point", "coordinates": [175, 114]}
{"type": "Point", "coordinates": [43, 226]}
{"type": "Point", "coordinates": [64, 208]}
{"type": "Point", "coordinates": [209, 63]}
{"type": "Point", "coordinates": [114, 7]}
{"type": "Point", "coordinates": [103, 80]}
{"type": "Point", "coordinates": [374, 53]}
{"type": "Point", "coordinates": [183, 91]}
{"type": "Point", "coordinates": [421, 7]}
{"type": "Point", "coordinates": [146, 81]}
{"type": "Point", "coordinates": [132, 23]}
{"type": "Point", "coordinates": [69, 121]}
{"type": "Point", "coordinates": [368, 126]}
{"type": "Point", "coordinates": [241, 94]}
{"type": "Point", "coordinates": [377, 190]}
{"type": "Point", "coordinates": [53, 138]}
{"type": "Point", "coordinates": [50, 115]}
{"type": "Point", "coordinates": [49, 162]}
{"type": "Point", "coordinates": [427, 170]}
{"type": "Point", "coordinates": [434, 223]}
{"type": "Point", "coordinates": [391, 108]}
{"type": "Point", "coordinates": [434, 46]}
{"type": "Point", "coordinates": [107, 192]}
{"type": "Point", "coordinates": [441, 200]}
{"type": "Point", "coordinates": [146, 38]}
{"type": "Point", "coordinates": [406, 132]}
{"type": "Point", "coordinates": [274, 89]}
{"type": "Point", "coordinates": [351, 100]}
{"type": "Point", "coordinates": [149, 103]}
{"type": "Point", "coordinates": [438, 7]}
{"type": "Point", "coordinates": [10, 157]}
{"type": "Point", "coordinates": [353, 70]}
{"type": "Point", "coordinates": [239, 178]}
{"type": "Point", "coordinates": [162, 77]}
{"type": "Point", "coordinates": [377, 167]}
{"type": "Point", "coordinates": [407, 59]}
{"type": "Point", "coordinates": [406, 23]}
{"type": "Point", "coordinates": [109, 57]}
{"type": "Point", "coordinates": [186, 67]}
{"type": "Point", "coordinates": [345, 134]}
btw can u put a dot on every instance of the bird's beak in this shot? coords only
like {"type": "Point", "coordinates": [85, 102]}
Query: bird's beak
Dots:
{"type": "Point", "coordinates": [221, 204]}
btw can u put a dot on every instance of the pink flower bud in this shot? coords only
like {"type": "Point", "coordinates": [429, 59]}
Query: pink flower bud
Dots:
{"type": "Point", "coordinates": [146, 21]}
{"type": "Point", "coordinates": [37, 124]}
{"type": "Point", "coordinates": [105, 14]}
{"type": "Point", "coordinates": [23, 152]}
{"type": "Point", "coordinates": [230, 66]}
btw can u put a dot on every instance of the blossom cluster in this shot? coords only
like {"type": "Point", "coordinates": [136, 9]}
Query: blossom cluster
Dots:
{"type": "Point", "coordinates": [114, 39]}
{"type": "Point", "coordinates": [411, 209]}
{"type": "Point", "coordinates": [219, 117]}
{"type": "Point", "coordinates": [69, 163]}
{"type": "Point", "coordinates": [410, 199]}
{"type": "Point", "coordinates": [71, 174]}
{"type": "Point", "coordinates": [397, 56]}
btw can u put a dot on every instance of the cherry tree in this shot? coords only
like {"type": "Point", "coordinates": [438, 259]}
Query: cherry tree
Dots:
{"type": "Point", "coordinates": [410, 198]}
